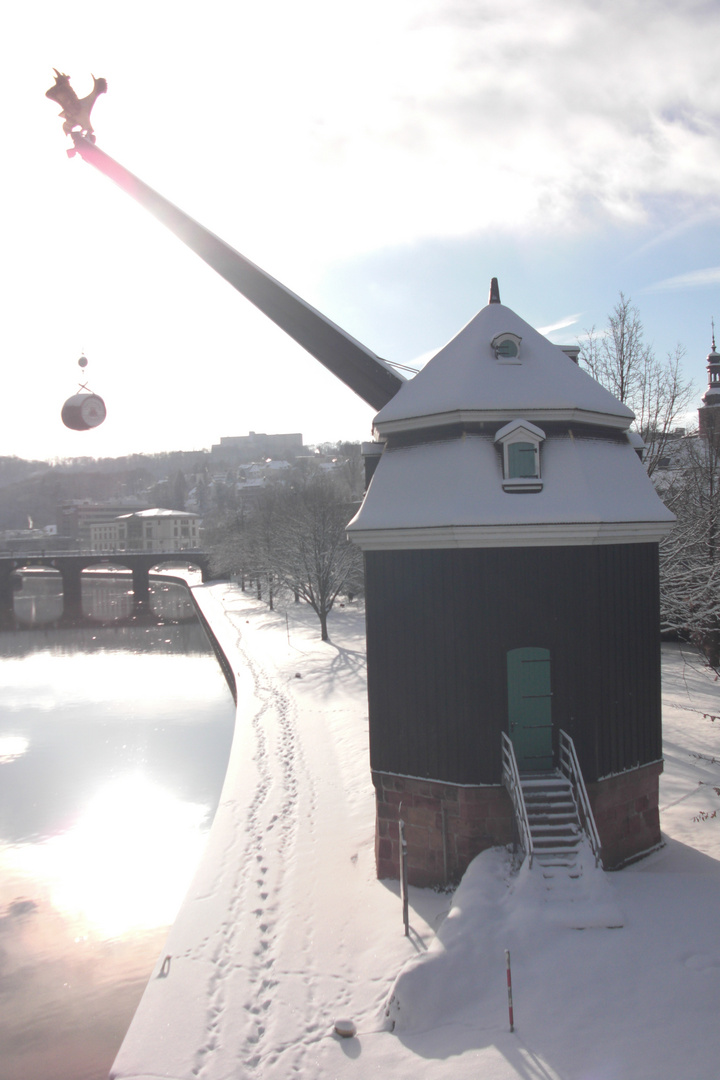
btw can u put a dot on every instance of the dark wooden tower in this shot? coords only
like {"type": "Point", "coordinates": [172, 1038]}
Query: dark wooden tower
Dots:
{"type": "Point", "coordinates": [511, 544]}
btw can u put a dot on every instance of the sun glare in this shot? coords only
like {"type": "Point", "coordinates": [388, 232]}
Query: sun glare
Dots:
{"type": "Point", "coordinates": [12, 747]}
{"type": "Point", "coordinates": [126, 864]}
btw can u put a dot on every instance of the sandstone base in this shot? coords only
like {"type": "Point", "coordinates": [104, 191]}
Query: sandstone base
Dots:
{"type": "Point", "coordinates": [445, 826]}
{"type": "Point", "coordinates": [627, 815]}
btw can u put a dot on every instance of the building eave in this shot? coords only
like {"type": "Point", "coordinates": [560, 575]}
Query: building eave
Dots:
{"type": "Point", "coordinates": [384, 429]}
{"type": "Point", "coordinates": [566, 534]}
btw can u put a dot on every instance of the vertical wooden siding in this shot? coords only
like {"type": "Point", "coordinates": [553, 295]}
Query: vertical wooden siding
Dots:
{"type": "Point", "coordinates": [440, 623]}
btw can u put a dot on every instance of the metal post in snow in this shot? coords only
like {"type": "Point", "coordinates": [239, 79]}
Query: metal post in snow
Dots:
{"type": "Point", "coordinates": [404, 876]}
{"type": "Point", "coordinates": [509, 990]}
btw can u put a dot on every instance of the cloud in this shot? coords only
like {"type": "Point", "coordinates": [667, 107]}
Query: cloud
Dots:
{"type": "Point", "coordinates": [520, 117]}
{"type": "Point", "coordinates": [569, 320]}
{"type": "Point", "coordinates": [694, 279]}
{"type": "Point", "coordinates": [420, 119]}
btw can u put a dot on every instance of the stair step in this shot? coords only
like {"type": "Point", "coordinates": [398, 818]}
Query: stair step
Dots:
{"type": "Point", "coordinates": [544, 795]}
{"type": "Point", "coordinates": [543, 778]}
{"type": "Point", "coordinates": [555, 843]}
{"type": "Point", "coordinates": [547, 798]}
{"type": "Point", "coordinates": [546, 791]}
{"type": "Point", "coordinates": [540, 819]}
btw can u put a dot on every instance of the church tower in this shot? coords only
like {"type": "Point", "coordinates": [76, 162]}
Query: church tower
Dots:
{"type": "Point", "coordinates": [709, 412]}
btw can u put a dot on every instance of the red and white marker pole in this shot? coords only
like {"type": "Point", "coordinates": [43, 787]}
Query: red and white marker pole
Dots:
{"type": "Point", "coordinates": [509, 988]}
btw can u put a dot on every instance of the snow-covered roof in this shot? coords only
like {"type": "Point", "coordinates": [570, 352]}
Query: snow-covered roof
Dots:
{"type": "Point", "coordinates": [159, 512]}
{"type": "Point", "coordinates": [450, 494]}
{"type": "Point", "coordinates": [466, 381]}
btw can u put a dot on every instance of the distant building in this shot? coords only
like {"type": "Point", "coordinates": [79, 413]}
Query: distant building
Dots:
{"type": "Point", "coordinates": [256, 445]}
{"type": "Point", "coordinates": [147, 530]}
{"type": "Point", "coordinates": [28, 540]}
{"type": "Point", "coordinates": [76, 518]}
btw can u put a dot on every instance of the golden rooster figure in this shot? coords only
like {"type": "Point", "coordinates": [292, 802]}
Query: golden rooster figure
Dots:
{"type": "Point", "coordinates": [75, 110]}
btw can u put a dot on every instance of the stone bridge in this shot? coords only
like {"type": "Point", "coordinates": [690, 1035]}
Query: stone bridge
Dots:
{"type": "Point", "coordinates": [71, 565]}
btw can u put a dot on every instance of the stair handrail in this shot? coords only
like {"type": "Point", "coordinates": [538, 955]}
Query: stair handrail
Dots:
{"type": "Point", "coordinates": [570, 766]}
{"type": "Point", "coordinates": [511, 780]}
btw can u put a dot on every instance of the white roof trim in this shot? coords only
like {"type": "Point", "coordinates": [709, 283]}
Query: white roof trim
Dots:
{"type": "Point", "coordinates": [519, 425]}
{"type": "Point", "coordinates": [470, 416]}
{"type": "Point", "coordinates": [576, 534]}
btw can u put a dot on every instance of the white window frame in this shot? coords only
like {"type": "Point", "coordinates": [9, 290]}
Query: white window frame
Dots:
{"type": "Point", "coordinates": [520, 431]}
{"type": "Point", "coordinates": [507, 348]}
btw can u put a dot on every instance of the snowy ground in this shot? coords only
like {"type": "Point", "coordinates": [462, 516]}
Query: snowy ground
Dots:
{"type": "Point", "coordinates": [286, 929]}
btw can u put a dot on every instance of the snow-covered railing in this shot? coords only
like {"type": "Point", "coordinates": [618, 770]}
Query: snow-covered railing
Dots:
{"type": "Point", "coordinates": [50, 553]}
{"type": "Point", "coordinates": [511, 780]}
{"type": "Point", "coordinates": [570, 766]}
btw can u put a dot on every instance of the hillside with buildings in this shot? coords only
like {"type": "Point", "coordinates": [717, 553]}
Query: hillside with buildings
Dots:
{"type": "Point", "coordinates": [58, 504]}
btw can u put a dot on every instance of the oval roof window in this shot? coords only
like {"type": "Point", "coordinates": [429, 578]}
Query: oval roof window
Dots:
{"type": "Point", "coordinates": [506, 346]}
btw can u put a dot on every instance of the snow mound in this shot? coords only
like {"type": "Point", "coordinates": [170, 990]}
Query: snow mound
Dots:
{"type": "Point", "coordinates": [577, 898]}
{"type": "Point", "coordinates": [496, 906]}
{"type": "Point", "coordinates": [429, 987]}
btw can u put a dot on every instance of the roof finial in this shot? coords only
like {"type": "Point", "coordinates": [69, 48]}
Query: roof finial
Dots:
{"type": "Point", "coordinates": [494, 292]}
{"type": "Point", "coordinates": [713, 334]}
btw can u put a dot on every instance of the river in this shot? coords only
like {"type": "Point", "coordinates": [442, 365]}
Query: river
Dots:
{"type": "Point", "coordinates": [114, 742]}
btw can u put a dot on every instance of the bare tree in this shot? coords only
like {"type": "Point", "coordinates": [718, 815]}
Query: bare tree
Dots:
{"type": "Point", "coordinates": [314, 557]}
{"type": "Point", "coordinates": [261, 548]}
{"type": "Point", "coordinates": [690, 555]}
{"type": "Point", "coordinates": [623, 363]}
{"type": "Point", "coordinates": [292, 537]}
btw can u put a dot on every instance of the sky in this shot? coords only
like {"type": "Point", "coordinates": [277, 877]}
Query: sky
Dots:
{"type": "Point", "coordinates": [384, 161]}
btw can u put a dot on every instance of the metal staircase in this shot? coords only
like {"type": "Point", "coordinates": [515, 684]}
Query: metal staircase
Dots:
{"type": "Point", "coordinates": [552, 810]}
{"type": "Point", "coordinates": [561, 878]}
{"type": "Point", "coordinates": [553, 818]}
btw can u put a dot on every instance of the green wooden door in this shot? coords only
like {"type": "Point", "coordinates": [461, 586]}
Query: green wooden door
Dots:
{"type": "Point", "coordinates": [530, 708]}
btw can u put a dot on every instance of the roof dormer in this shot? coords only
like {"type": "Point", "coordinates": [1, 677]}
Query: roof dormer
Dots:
{"type": "Point", "coordinates": [520, 444]}
{"type": "Point", "coordinates": [507, 348]}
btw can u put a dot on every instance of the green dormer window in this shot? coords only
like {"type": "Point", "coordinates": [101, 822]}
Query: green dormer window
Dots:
{"type": "Point", "coordinates": [520, 443]}
{"type": "Point", "coordinates": [522, 459]}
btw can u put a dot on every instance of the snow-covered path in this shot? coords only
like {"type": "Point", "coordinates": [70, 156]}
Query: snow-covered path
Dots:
{"type": "Point", "coordinates": [286, 928]}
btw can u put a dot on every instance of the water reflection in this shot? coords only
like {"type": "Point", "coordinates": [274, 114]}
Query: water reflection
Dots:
{"type": "Point", "coordinates": [106, 591]}
{"type": "Point", "coordinates": [113, 746]}
{"type": "Point", "coordinates": [37, 595]}
{"type": "Point", "coordinates": [170, 602]}
{"type": "Point", "coordinates": [130, 830]}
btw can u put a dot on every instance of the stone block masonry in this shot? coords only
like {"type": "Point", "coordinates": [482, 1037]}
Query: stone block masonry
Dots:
{"type": "Point", "coordinates": [446, 826]}
{"type": "Point", "coordinates": [627, 814]}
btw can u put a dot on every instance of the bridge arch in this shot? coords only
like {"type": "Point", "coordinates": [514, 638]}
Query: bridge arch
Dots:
{"type": "Point", "coordinates": [71, 567]}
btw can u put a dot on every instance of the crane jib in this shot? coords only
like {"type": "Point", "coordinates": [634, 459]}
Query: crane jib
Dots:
{"type": "Point", "coordinates": [355, 365]}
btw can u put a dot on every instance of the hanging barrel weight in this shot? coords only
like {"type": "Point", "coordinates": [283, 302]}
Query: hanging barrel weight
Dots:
{"type": "Point", "coordinates": [83, 411]}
